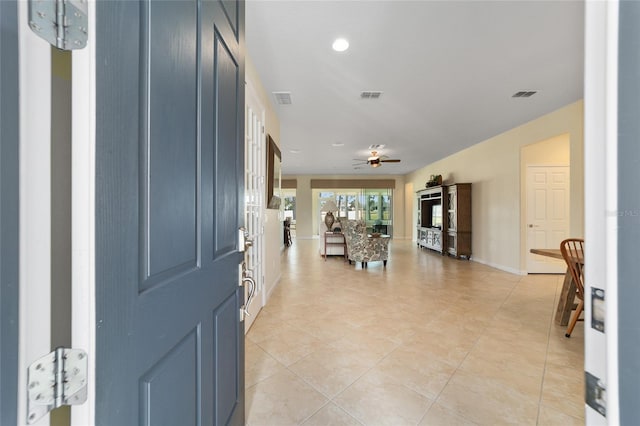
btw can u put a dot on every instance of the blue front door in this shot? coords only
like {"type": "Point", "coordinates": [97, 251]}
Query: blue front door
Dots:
{"type": "Point", "coordinates": [169, 182]}
{"type": "Point", "coordinates": [9, 201]}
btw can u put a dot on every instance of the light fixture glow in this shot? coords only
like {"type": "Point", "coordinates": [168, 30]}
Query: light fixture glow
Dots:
{"type": "Point", "coordinates": [340, 45]}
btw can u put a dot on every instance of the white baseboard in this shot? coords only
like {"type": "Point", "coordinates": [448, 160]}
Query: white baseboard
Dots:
{"type": "Point", "coordinates": [271, 288]}
{"type": "Point", "coordinates": [501, 267]}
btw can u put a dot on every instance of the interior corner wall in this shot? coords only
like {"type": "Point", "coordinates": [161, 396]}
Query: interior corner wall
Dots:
{"type": "Point", "coordinates": [493, 167]}
{"type": "Point", "coordinates": [409, 193]}
{"type": "Point", "coordinates": [272, 223]}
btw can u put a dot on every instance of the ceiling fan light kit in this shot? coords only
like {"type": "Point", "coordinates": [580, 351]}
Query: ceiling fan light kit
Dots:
{"type": "Point", "coordinates": [376, 161]}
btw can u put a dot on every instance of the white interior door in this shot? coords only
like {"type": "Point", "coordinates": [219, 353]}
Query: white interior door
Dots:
{"type": "Point", "coordinates": [255, 165]}
{"type": "Point", "coordinates": [548, 203]}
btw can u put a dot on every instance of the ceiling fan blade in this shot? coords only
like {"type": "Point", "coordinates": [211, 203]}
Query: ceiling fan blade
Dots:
{"type": "Point", "coordinates": [390, 161]}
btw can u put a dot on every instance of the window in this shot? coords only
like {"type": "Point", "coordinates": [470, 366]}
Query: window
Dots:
{"type": "Point", "coordinates": [386, 207]}
{"type": "Point", "coordinates": [375, 206]}
{"type": "Point", "coordinates": [290, 207]}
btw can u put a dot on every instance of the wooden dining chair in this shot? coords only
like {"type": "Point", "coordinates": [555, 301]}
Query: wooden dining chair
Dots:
{"type": "Point", "coordinates": [572, 250]}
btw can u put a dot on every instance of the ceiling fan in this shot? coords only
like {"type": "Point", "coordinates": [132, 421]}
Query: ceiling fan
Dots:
{"type": "Point", "coordinates": [375, 160]}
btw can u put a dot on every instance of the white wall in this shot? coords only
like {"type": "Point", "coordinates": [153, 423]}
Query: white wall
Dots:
{"type": "Point", "coordinates": [494, 169]}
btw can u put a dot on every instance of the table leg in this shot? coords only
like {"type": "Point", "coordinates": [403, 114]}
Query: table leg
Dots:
{"type": "Point", "coordinates": [567, 296]}
{"type": "Point", "coordinates": [325, 247]}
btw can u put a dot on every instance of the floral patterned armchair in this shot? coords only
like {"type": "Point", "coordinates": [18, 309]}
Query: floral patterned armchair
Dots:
{"type": "Point", "coordinates": [360, 247]}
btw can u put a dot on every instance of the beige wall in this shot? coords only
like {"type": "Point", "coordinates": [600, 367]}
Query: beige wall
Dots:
{"type": "Point", "coordinates": [273, 224]}
{"type": "Point", "coordinates": [494, 167]}
{"type": "Point", "coordinates": [306, 205]}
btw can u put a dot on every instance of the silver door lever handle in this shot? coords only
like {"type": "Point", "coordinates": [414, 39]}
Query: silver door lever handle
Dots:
{"type": "Point", "coordinates": [252, 293]}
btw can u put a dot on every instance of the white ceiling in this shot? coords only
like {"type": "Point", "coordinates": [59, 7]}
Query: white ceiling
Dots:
{"type": "Point", "coordinates": [448, 70]}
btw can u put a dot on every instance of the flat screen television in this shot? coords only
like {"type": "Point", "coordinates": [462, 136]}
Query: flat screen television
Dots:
{"type": "Point", "coordinates": [436, 216]}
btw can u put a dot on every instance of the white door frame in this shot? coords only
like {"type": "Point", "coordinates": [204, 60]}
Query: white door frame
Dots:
{"type": "Point", "coordinates": [35, 204]}
{"type": "Point", "coordinates": [601, 200]}
{"type": "Point", "coordinates": [83, 318]}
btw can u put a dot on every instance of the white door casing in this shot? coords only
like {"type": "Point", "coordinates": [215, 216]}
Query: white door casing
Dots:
{"type": "Point", "coordinates": [35, 203]}
{"type": "Point", "coordinates": [548, 204]}
{"type": "Point", "coordinates": [83, 320]}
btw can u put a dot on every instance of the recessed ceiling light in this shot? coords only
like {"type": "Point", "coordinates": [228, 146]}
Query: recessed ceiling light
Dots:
{"type": "Point", "coordinates": [295, 151]}
{"type": "Point", "coordinates": [337, 144]}
{"type": "Point", "coordinates": [340, 45]}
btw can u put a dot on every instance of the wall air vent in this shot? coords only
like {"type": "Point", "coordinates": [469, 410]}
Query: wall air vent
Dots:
{"type": "Point", "coordinates": [371, 94]}
{"type": "Point", "coordinates": [524, 94]}
{"type": "Point", "coordinates": [282, 98]}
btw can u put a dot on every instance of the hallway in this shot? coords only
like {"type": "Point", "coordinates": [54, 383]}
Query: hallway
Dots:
{"type": "Point", "coordinates": [429, 340]}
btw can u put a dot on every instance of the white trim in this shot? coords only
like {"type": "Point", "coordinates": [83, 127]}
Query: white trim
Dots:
{"type": "Point", "coordinates": [611, 224]}
{"type": "Point", "coordinates": [500, 267]}
{"type": "Point", "coordinates": [83, 214]}
{"type": "Point", "coordinates": [35, 204]}
{"type": "Point", "coordinates": [273, 287]}
{"type": "Point", "coordinates": [600, 140]}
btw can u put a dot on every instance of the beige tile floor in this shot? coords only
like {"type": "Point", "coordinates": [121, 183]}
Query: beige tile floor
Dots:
{"type": "Point", "coordinates": [429, 340]}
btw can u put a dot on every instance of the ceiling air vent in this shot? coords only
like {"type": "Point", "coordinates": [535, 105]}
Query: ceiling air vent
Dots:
{"type": "Point", "coordinates": [282, 98]}
{"type": "Point", "coordinates": [524, 94]}
{"type": "Point", "coordinates": [370, 94]}
{"type": "Point", "coordinates": [376, 147]}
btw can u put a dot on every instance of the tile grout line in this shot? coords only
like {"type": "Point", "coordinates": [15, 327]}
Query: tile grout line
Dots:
{"type": "Point", "coordinates": [467, 355]}
{"type": "Point", "coordinates": [372, 298]}
{"type": "Point", "coordinates": [546, 355]}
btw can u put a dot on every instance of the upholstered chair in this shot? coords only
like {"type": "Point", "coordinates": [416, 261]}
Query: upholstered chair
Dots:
{"type": "Point", "coordinates": [362, 248]}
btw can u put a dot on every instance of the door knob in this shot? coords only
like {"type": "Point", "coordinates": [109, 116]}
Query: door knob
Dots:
{"type": "Point", "coordinates": [244, 242]}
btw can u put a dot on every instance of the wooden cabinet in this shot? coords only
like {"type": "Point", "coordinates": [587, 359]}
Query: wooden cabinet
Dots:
{"type": "Point", "coordinates": [431, 218]}
{"type": "Point", "coordinates": [430, 238]}
{"type": "Point", "coordinates": [458, 220]}
{"type": "Point", "coordinates": [444, 219]}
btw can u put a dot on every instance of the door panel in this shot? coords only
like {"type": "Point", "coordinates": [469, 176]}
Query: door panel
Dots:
{"type": "Point", "coordinates": [9, 201]}
{"type": "Point", "coordinates": [177, 370]}
{"type": "Point", "coordinates": [169, 139]}
{"type": "Point", "coordinates": [169, 180]}
{"type": "Point", "coordinates": [226, 80]}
